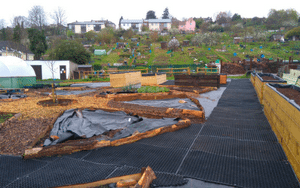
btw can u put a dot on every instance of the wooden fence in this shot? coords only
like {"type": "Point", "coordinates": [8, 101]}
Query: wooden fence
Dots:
{"type": "Point", "coordinates": [208, 70]}
{"type": "Point", "coordinates": [172, 71]}
{"type": "Point", "coordinates": [198, 80]}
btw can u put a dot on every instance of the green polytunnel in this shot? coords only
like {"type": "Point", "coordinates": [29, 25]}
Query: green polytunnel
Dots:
{"type": "Point", "coordinates": [15, 73]}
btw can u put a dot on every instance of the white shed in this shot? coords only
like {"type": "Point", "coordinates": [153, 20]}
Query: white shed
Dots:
{"type": "Point", "coordinates": [63, 69]}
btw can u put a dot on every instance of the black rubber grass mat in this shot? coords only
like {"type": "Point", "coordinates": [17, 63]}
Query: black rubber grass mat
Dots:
{"type": "Point", "coordinates": [163, 179]}
{"type": "Point", "coordinates": [249, 124]}
{"type": "Point", "coordinates": [182, 138]}
{"type": "Point", "coordinates": [64, 171]}
{"type": "Point", "coordinates": [239, 105]}
{"type": "Point", "coordinates": [252, 150]}
{"type": "Point", "coordinates": [230, 113]}
{"type": "Point", "coordinates": [140, 155]}
{"type": "Point", "coordinates": [14, 168]}
{"type": "Point", "coordinates": [238, 172]}
{"type": "Point", "coordinates": [251, 135]}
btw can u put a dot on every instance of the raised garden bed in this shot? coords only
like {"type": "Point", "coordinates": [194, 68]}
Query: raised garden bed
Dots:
{"type": "Point", "coordinates": [197, 80]}
{"type": "Point", "coordinates": [252, 78]}
{"type": "Point", "coordinates": [262, 79]}
{"type": "Point", "coordinates": [153, 79]}
{"type": "Point", "coordinates": [125, 79]}
{"type": "Point", "coordinates": [117, 103]}
{"type": "Point", "coordinates": [282, 109]}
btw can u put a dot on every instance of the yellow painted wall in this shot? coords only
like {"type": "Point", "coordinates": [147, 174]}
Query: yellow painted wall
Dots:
{"type": "Point", "coordinates": [284, 119]}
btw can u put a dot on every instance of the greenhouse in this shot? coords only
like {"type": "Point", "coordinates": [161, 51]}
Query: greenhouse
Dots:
{"type": "Point", "coordinates": [15, 73]}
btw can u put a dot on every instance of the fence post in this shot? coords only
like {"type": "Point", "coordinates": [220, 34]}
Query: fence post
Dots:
{"type": "Point", "coordinates": [189, 71]}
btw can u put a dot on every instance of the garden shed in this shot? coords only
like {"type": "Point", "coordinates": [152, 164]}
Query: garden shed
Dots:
{"type": "Point", "coordinates": [15, 72]}
{"type": "Point", "coordinates": [63, 69]}
{"type": "Point", "coordinates": [100, 52]}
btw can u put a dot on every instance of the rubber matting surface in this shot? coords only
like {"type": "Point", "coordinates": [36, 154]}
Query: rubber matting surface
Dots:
{"type": "Point", "coordinates": [235, 147]}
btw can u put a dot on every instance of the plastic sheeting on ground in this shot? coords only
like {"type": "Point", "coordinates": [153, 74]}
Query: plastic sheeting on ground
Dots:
{"type": "Point", "coordinates": [88, 123]}
{"type": "Point", "coordinates": [92, 85]}
{"type": "Point", "coordinates": [11, 96]}
{"type": "Point", "coordinates": [171, 103]}
{"type": "Point", "coordinates": [65, 92]}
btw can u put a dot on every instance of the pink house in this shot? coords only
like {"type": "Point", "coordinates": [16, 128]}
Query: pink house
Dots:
{"type": "Point", "coordinates": [188, 25]}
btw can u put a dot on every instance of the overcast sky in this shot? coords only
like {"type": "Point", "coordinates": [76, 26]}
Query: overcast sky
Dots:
{"type": "Point", "coordinates": [86, 10]}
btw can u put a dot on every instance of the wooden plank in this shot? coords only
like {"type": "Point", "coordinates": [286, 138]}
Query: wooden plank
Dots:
{"type": "Point", "coordinates": [146, 179]}
{"type": "Point", "coordinates": [135, 177]}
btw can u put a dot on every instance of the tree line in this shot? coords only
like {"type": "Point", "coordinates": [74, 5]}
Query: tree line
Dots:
{"type": "Point", "coordinates": [60, 43]}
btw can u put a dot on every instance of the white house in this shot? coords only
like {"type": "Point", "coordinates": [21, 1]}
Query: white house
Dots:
{"type": "Point", "coordinates": [63, 69]}
{"type": "Point", "coordinates": [134, 24]}
{"type": "Point", "coordinates": [93, 25]}
{"type": "Point", "coordinates": [152, 24]}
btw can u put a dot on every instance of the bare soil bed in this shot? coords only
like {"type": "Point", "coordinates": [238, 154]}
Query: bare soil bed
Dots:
{"type": "Point", "coordinates": [268, 78]}
{"type": "Point", "coordinates": [19, 134]}
{"type": "Point", "coordinates": [291, 94]}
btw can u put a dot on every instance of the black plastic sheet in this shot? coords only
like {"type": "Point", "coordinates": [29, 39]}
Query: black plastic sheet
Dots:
{"type": "Point", "coordinates": [11, 96]}
{"type": "Point", "coordinates": [88, 123]}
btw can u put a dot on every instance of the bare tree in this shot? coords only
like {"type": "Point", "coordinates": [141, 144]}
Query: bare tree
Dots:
{"type": "Point", "coordinates": [50, 65]}
{"type": "Point", "coordinates": [22, 21]}
{"type": "Point", "coordinates": [37, 17]}
{"type": "Point", "coordinates": [59, 17]}
{"type": "Point", "coordinates": [2, 23]}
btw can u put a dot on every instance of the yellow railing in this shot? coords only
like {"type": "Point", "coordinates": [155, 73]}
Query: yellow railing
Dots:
{"type": "Point", "coordinates": [171, 71]}
{"type": "Point", "coordinates": [105, 73]}
{"type": "Point", "coordinates": [208, 70]}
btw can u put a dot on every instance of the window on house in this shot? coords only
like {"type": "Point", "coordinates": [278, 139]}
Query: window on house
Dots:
{"type": "Point", "coordinates": [165, 25]}
{"type": "Point", "coordinates": [123, 24]}
{"type": "Point", "coordinates": [190, 23]}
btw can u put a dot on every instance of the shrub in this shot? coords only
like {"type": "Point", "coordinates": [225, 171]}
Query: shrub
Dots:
{"type": "Point", "coordinates": [152, 89]}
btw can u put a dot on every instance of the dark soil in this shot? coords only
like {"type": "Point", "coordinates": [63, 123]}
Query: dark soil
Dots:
{"type": "Point", "coordinates": [232, 68]}
{"type": "Point", "coordinates": [20, 134]}
{"type": "Point", "coordinates": [268, 78]}
{"type": "Point", "coordinates": [59, 102]}
{"type": "Point", "coordinates": [291, 94]}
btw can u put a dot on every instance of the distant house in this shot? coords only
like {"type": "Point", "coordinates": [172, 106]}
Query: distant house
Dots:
{"type": "Point", "coordinates": [188, 25]}
{"type": "Point", "coordinates": [158, 24]}
{"type": "Point", "coordinates": [236, 40]}
{"type": "Point", "coordinates": [294, 38]}
{"type": "Point", "coordinates": [152, 24]}
{"type": "Point", "coordinates": [277, 37]}
{"type": "Point", "coordinates": [8, 48]}
{"type": "Point", "coordinates": [134, 24]}
{"type": "Point", "coordinates": [93, 25]}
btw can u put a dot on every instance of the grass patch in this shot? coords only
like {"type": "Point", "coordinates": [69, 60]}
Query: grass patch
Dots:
{"type": "Point", "coordinates": [152, 89]}
{"type": "Point", "coordinates": [240, 77]}
{"type": "Point", "coordinates": [4, 117]}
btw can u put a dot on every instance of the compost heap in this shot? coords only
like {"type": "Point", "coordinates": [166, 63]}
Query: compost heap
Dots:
{"type": "Point", "coordinates": [232, 68]}
{"type": "Point", "coordinates": [87, 123]}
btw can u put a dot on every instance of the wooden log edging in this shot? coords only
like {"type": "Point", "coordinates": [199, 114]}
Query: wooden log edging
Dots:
{"type": "Point", "coordinates": [72, 147]}
{"type": "Point", "coordinates": [139, 180]}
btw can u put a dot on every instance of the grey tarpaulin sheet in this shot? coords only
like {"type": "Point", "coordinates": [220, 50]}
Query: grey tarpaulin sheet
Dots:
{"type": "Point", "coordinates": [210, 100]}
{"type": "Point", "coordinates": [92, 85]}
{"type": "Point", "coordinates": [90, 123]}
{"type": "Point", "coordinates": [171, 103]}
{"type": "Point", "coordinates": [11, 96]}
{"type": "Point", "coordinates": [64, 92]}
